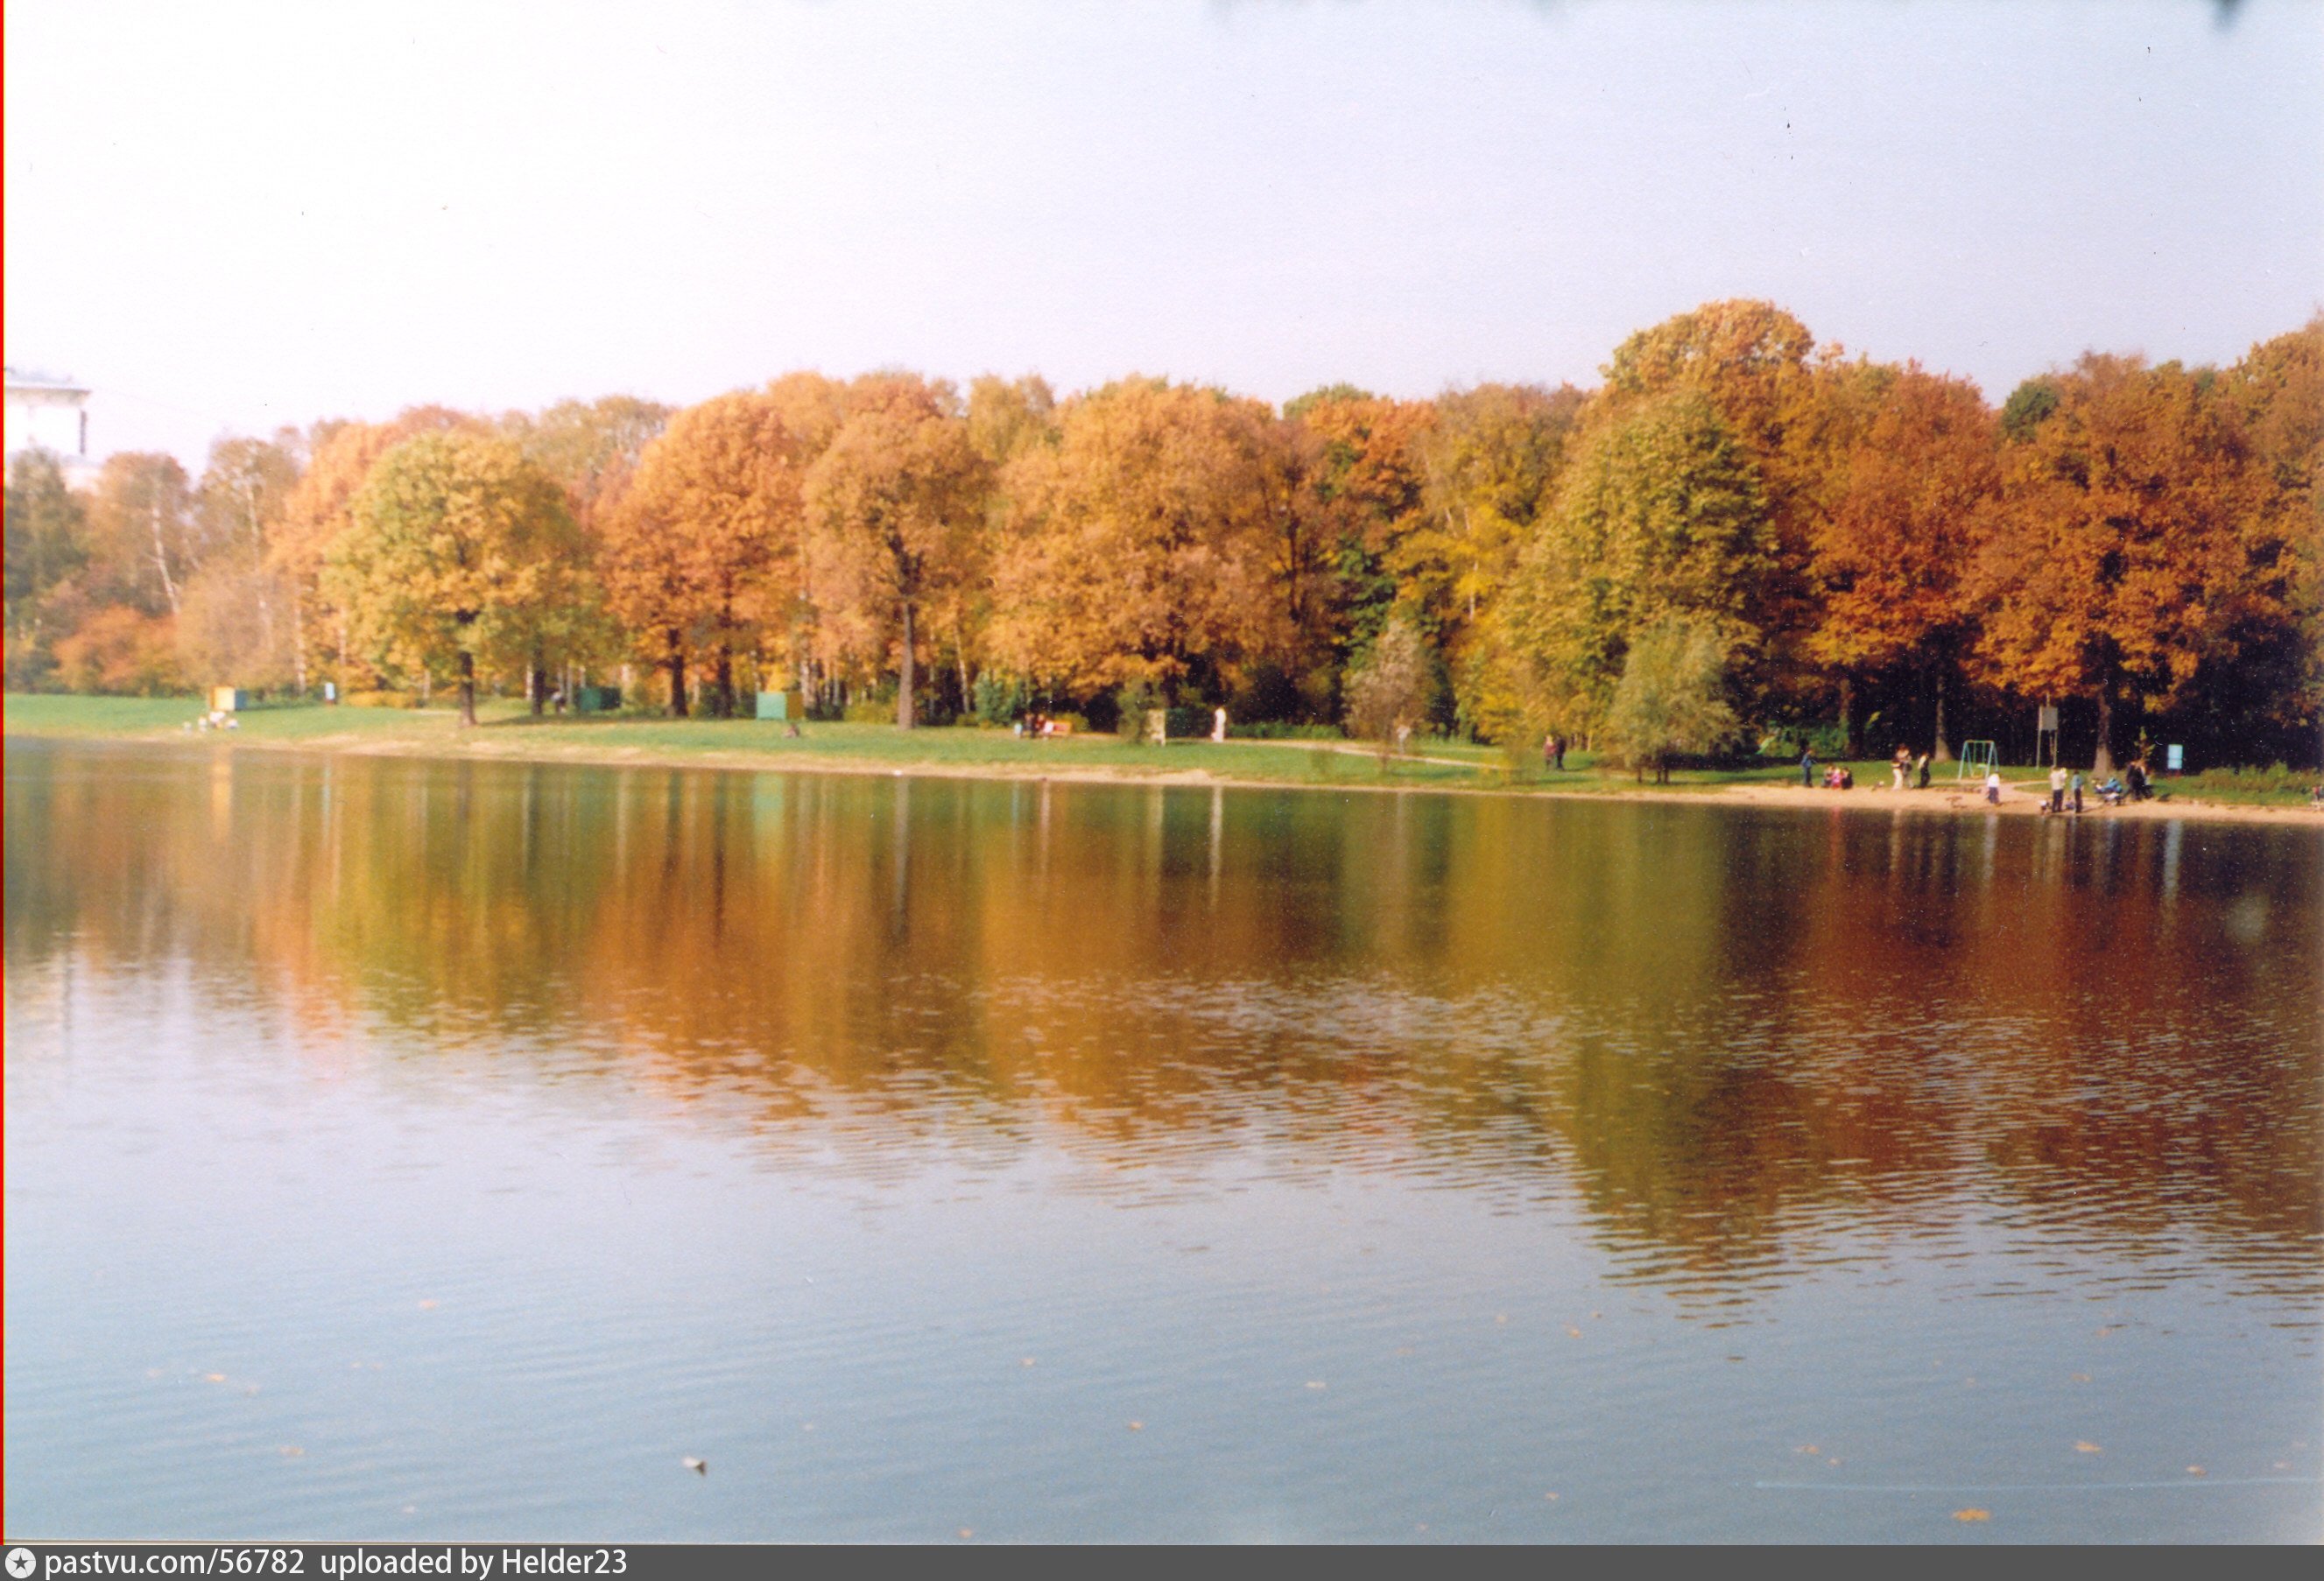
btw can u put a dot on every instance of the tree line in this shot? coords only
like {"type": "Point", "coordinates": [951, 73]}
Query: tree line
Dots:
{"type": "Point", "coordinates": [1739, 536]}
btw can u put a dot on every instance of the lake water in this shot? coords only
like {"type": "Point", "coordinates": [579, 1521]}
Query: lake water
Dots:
{"type": "Point", "coordinates": [403, 1150]}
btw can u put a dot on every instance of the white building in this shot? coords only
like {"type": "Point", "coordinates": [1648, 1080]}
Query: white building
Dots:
{"type": "Point", "coordinates": [52, 414]}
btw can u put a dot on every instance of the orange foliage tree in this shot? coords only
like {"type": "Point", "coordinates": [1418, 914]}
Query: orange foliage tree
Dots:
{"type": "Point", "coordinates": [1915, 501]}
{"type": "Point", "coordinates": [1138, 547]}
{"type": "Point", "coordinates": [2116, 569]}
{"type": "Point", "coordinates": [702, 550]}
{"type": "Point", "coordinates": [896, 507]}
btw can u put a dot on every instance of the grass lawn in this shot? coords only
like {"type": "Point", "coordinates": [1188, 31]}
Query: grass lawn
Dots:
{"type": "Point", "coordinates": [507, 728]}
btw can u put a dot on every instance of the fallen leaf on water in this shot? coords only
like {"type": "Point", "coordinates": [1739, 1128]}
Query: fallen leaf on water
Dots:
{"type": "Point", "coordinates": [2107, 1329]}
{"type": "Point", "coordinates": [1025, 1362]}
{"type": "Point", "coordinates": [2081, 1377]}
{"type": "Point", "coordinates": [427, 1306]}
{"type": "Point", "coordinates": [696, 1465]}
{"type": "Point", "coordinates": [291, 1451]}
{"type": "Point", "coordinates": [1501, 1317]}
{"type": "Point", "coordinates": [213, 1377]}
{"type": "Point", "coordinates": [2086, 1447]}
{"type": "Point", "coordinates": [1551, 1497]}
{"type": "Point", "coordinates": [2194, 1471]}
{"type": "Point", "coordinates": [968, 1531]}
{"type": "Point", "coordinates": [1807, 1449]}
{"type": "Point", "coordinates": [1972, 1514]}
{"type": "Point", "coordinates": [1138, 1427]}
{"type": "Point", "coordinates": [1571, 1332]}
{"type": "Point", "coordinates": [1314, 1383]}
{"type": "Point", "coordinates": [1833, 1461]}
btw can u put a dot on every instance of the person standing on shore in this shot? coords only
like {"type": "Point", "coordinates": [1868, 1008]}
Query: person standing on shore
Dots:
{"type": "Point", "coordinates": [1922, 771]}
{"type": "Point", "coordinates": [2077, 791]}
{"type": "Point", "coordinates": [1992, 786]}
{"type": "Point", "coordinates": [2057, 787]}
{"type": "Point", "coordinates": [1807, 766]}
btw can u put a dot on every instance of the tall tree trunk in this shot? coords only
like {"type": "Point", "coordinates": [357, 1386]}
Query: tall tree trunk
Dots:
{"type": "Point", "coordinates": [1942, 752]}
{"type": "Point", "coordinates": [1850, 729]}
{"type": "Point", "coordinates": [162, 555]}
{"type": "Point", "coordinates": [535, 680]}
{"type": "Point", "coordinates": [468, 688]}
{"type": "Point", "coordinates": [677, 676]}
{"type": "Point", "coordinates": [722, 703]}
{"type": "Point", "coordinates": [2102, 768]}
{"type": "Point", "coordinates": [904, 720]}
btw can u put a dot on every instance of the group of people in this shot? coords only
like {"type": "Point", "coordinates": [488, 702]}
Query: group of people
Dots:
{"type": "Point", "coordinates": [1904, 770]}
{"type": "Point", "coordinates": [1553, 752]}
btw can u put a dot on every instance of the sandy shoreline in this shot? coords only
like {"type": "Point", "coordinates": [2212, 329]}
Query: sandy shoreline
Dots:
{"type": "Point", "coordinates": [2020, 800]}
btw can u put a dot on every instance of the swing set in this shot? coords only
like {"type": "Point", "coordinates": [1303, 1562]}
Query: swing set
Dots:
{"type": "Point", "coordinates": [1977, 759]}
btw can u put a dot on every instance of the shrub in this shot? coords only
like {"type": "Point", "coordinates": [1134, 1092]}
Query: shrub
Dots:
{"type": "Point", "coordinates": [999, 699]}
{"type": "Point", "coordinates": [119, 650]}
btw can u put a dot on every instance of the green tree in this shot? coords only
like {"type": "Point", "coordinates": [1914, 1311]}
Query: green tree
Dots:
{"type": "Point", "coordinates": [47, 543]}
{"type": "Point", "coordinates": [1671, 697]}
{"type": "Point", "coordinates": [1660, 515]}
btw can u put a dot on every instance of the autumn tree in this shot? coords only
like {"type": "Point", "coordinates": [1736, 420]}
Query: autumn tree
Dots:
{"type": "Point", "coordinates": [1370, 482]}
{"type": "Point", "coordinates": [318, 510]}
{"type": "Point", "coordinates": [1887, 562]}
{"type": "Point", "coordinates": [2277, 393]}
{"type": "Point", "coordinates": [702, 553]}
{"type": "Point", "coordinates": [237, 621]}
{"type": "Point", "coordinates": [1138, 545]}
{"type": "Point", "coordinates": [2118, 569]}
{"type": "Point", "coordinates": [456, 541]}
{"type": "Point", "coordinates": [143, 537]}
{"type": "Point", "coordinates": [896, 507]}
{"type": "Point", "coordinates": [588, 447]}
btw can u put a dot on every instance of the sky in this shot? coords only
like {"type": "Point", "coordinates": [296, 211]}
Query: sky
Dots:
{"type": "Point", "coordinates": [231, 216]}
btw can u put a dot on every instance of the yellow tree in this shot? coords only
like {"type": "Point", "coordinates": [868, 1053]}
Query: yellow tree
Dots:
{"type": "Point", "coordinates": [455, 544]}
{"type": "Point", "coordinates": [896, 507]}
{"type": "Point", "coordinates": [702, 550]}
{"type": "Point", "coordinates": [1491, 457]}
{"type": "Point", "coordinates": [318, 509]}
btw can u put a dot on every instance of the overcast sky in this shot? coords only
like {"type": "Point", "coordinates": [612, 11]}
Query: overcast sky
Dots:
{"type": "Point", "coordinates": [226, 218]}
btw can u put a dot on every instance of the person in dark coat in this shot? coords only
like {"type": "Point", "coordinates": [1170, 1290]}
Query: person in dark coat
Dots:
{"type": "Point", "coordinates": [1807, 766]}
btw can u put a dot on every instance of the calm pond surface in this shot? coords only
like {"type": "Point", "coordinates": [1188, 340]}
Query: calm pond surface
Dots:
{"type": "Point", "coordinates": [400, 1149]}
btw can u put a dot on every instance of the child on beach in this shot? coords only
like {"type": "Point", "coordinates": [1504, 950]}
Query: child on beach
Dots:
{"type": "Point", "coordinates": [1992, 786]}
